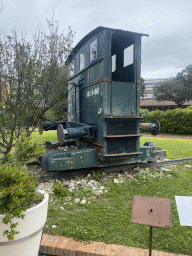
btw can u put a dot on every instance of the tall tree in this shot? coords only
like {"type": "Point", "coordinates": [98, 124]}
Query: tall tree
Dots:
{"type": "Point", "coordinates": [177, 89]}
{"type": "Point", "coordinates": [31, 76]}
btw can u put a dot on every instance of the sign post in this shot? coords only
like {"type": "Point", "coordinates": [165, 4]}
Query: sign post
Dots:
{"type": "Point", "coordinates": [151, 211]}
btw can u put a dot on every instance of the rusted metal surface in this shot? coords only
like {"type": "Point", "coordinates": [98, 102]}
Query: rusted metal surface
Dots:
{"type": "Point", "coordinates": [152, 211]}
{"type": "Point", "coordinates": [153, 127]}
{"type": "Point", "coordinates": [128, 117]}
{"type": "Point", "coordinates": [150, 240]}
{"type": "Point", "coordinates": [145, 126]}
{"type": "Point", "coordinates": [123, 154]}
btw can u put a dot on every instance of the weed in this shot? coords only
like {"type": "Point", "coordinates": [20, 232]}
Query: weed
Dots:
{"type": "Point", "coordinates": [60, 190]}
{"type": "Point", "coordinates": [97, 175]}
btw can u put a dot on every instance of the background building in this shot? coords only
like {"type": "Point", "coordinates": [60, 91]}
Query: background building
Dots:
{"type": "Point", "coordinates": [149, 101]}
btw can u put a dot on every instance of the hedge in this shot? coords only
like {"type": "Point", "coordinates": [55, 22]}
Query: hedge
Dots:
{"type": "Point", "coordinates": [177, 121]}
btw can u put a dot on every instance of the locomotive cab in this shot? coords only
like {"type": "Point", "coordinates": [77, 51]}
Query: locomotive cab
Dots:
{"type": "Point", "coordinates": [104, 104]}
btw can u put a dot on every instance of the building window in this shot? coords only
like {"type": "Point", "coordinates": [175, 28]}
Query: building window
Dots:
{"type": "Point", "coordinates": [93, 50]}
{"type": "Point", "coordinates": [82, 60]}
{"type": "Point", "coordinates": [149, 96]}
{"type": "Point", "coordinates": [113, 59]}
{"type": "Point", "coordinates": [128, 55]}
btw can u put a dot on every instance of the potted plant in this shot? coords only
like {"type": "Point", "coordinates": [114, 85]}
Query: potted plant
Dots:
{"type": "Point", "coordinates": [23, 211]}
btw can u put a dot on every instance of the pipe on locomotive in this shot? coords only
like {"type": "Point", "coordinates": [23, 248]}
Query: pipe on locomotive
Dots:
{"type": "Point", "coordinates": [87, 131]}
{"type": "Point", "coordinates": [153, 127]}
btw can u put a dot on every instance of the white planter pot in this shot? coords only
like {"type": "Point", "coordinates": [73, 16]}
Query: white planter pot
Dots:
{"type": "Point", "coordinates": [27, 242]}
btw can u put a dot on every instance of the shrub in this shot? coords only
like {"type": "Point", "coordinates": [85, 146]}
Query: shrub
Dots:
{"type": "Point", "coordinates": [60, 190]}
{"type": "Point", "coordinates": [97, 176]}
{"type": "Point", "coordinates": [25, 150]}
{"type": "Point", "coordinates": [144, 111]}
{"type": "Point", "coordinates": [17, 193]}
{"type": "Point", "coordinates": [177, 121]}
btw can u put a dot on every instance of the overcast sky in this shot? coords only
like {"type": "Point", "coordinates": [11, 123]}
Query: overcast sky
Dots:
{"type": "Point", "coordinates": [166, 51]}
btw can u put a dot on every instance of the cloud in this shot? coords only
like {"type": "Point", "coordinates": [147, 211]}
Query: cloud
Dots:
{"type": "Point", "coordinates": [168, 51]}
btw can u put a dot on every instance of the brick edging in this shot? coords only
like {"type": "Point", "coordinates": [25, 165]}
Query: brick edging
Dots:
{"type": "Point", "coordinates": [63, 246]}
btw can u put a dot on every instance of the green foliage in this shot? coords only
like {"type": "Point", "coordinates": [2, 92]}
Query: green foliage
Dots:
{"type": "Point", "coordinates": [26, 149]}
{"type": "Point", "coordinates": [32, 76]}
{"type": "Point", "coordinates": [17, 192]}
{"type": "Point", "coordinates": [177, 121]}
{"type": "Point", "coordinates": [97, 175]}
{"type": "Point", "coordinates": [60, 190]}
{"type": "Point", "coordinates": [144, 111]}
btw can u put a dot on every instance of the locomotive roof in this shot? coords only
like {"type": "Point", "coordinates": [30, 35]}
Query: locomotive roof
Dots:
{"type": "Point", "coordinates": [96, 31]}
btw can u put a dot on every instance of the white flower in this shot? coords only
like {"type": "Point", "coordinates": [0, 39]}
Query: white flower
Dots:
{"type": "Point", "coordinates": [105, 190]}
{"type": "Point", "coordinates": [83, 201]}
{"type": "Point", "coordinates": [89, 175]}
{"type": "Point", "coordinates": [89, 202]}
{"type": "Point", "coordinates": [115, 181]}
{"type": "Point", "coordinates": [77, 200]}
{"type": "Point", "coordinates": [61, 208]}
{"type": "Point", "coordinates": [53, 226]}
{"type": "Point", "coordinates": [101, 187]}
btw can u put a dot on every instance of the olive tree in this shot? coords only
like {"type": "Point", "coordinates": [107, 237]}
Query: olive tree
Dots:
{"type": "Point", "coordinates": [31, 77]}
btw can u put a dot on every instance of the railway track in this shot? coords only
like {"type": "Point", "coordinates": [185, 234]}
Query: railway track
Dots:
{"type": "Point", "coordinates": [48, 175]}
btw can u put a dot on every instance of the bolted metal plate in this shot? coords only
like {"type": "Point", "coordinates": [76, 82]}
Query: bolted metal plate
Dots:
{"type": "Point", "coordinates": [184, 208]}
{"type": "Point", "coordinates": [152, 211]}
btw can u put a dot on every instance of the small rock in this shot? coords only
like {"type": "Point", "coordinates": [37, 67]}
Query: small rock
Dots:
{"type": "Point", "coordinates": [61, 208]}
{"type": "Point", "coordinates": [77, 200]}
{"type": "Point", "coordinates": [83, 201]}
{"type": "Point", "coordinates": [165, 169]}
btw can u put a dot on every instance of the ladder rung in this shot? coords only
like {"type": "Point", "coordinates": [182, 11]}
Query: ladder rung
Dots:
{"type": "Point", "coordinates": [123, 154]}
{"type": "Point", "coordinates": [122, 136]}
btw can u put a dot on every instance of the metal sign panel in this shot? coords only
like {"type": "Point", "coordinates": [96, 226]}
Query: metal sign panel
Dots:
{"type": "Point", "coordinates": [152, 211]}
{"type": "Point", "coordinates": [184, 208]}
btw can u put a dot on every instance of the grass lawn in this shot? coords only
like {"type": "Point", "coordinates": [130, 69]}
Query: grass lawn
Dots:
{"type": "Point", "coordinates": [48, 135]}
{"type": "Point", "coordinates": [103, 212]}
{"type": "Point", "coordinates": [175, 148]}
{"type": "Point", "coordinates": [91, 215]}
